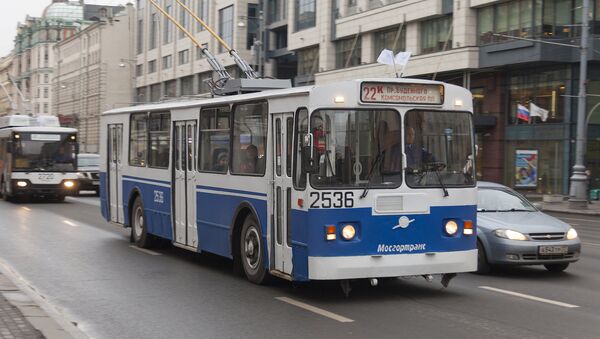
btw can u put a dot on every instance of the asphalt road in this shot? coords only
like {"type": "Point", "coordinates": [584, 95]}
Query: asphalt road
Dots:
{"type": "Point", "coordinates": [87, 269]}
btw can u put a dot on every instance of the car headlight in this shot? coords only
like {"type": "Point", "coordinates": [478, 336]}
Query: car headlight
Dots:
{"type": "Point", "coordinates": [22, 183]}
{"type": "Point", "coordinates": [69, 184]}
{"type": "Point", "coordinates": [510, 234]}
{"type": "Point", "coordinates": [348, 232]}
{"type": "Point", "coordinates": [451, 227]}
{"type": "Point", "coordinates": [572, 234]}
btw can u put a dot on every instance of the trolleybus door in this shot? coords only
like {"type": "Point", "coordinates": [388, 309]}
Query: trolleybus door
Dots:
{"type": "Point", "coordinates": [184, 188]}
{"type": "Point", "coordinates": [115, 166]}
{"type": "Point", "coordinates": [282, 191]}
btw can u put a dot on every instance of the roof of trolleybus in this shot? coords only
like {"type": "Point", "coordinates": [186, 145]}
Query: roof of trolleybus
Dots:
{"type": "Point", "coordinates": [324, 96]}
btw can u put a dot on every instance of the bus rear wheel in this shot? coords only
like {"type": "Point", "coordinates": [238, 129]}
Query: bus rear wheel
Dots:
{"type": "Point", "coordinates": [139, 234]}
{"type": "Point", "coordinates": [252, 251]}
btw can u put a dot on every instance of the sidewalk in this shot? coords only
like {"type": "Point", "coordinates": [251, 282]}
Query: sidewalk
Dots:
{"type": "Point", "coordinates": [563, 207]}
{"type": "Point", "coordinates": [21, 317]}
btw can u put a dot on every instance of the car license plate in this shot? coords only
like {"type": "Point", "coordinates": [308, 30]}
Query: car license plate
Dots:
{"type": "Point", "coordinates": [551, 250]}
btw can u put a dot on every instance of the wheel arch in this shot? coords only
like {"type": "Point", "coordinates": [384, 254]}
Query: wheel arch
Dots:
{"type": "Point", "coordinates": [133, 194]}
{"type": "Point", "coordinates": [243, 210]}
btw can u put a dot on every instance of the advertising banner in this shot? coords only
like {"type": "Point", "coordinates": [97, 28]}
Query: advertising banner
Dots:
{"type": "Point", "coordinates": [526, 164]}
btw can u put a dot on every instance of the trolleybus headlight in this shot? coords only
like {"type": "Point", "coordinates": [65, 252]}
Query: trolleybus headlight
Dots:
{"type": "Point", "coordinates": [22, 183]}
{"type": "Point", "coordinates": [451, 227]}
{"type": "Point", "coordinates": [510, 234]}
{"type": "Point", "coordinates": [572, 234]}
{"type": "Point", "coordinates": [69, 184]}
{"type": "Point", "coordinates": [348, 232]}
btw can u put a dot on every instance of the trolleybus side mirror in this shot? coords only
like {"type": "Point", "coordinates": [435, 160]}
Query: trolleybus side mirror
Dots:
{"type": "Point", "coordinates": [308, 153]}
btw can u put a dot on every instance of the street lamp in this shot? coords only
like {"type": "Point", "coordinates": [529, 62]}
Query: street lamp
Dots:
{"type": "Point", "coordinates": [132, 63]}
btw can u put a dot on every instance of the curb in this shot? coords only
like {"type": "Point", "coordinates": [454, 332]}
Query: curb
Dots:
{"type": "Point", "coordinates": [43, 316]}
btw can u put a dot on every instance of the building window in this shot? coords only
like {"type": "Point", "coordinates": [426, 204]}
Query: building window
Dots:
{"type": "Point", "coordinates": [392, 39]}
{"type": "Point", "coordinates": [187, 85]}
{"type": "Point", "coordinates": [46, 107]}
{"type": "Point", "coordinates": [347, 52]}
{"type": "Point", "coordinates": [249, 138]}
{"type": "Point", "coordinates": [138, 137]}
{"type": "Point", "coordinates": [308, 60]}
{"type": "Point", "coordinates": [184, 56]}
{"type": "Point", "coordinates": [252, 28]}
{"type": "Point", "coordinates": [140, 36]}
{"type": "Point", "coordinates": [214, 139]}
{"type": "Point", "coordinates": [155, 92]}
{"type": "Point", "coordinates": [167, 62]}
{"type": "Point", "coordinates": [305, 14]}
{"type": "Point", "coordinates": [277, 10]}
{"type": "Point", "coordinates": [141, 94]}
{"type": "Point", "coordinates": [545, 89]}
{"type": "Point", "coordinates": [184, 18]}
{"type": "Point", "coordinates": [226, 26]}
{"type": "Point", "coordinates": [202, 13]}
{"type": "Point", "coordinates": [435, 35]}
{"type": "Point", "coordinates": [167, 25]}
{"type": "Point", "coordinates": [46, 78]}
{"type": "Point", "coordinates": [204, 80]}
{"type": "Point", "coordinates": [171, 88]}
{"type": "Point", "coordinates": [151, 66]}
{"type": "Point", "coordinates": [153, 36]}
{"type": "Point", "coordinates": [45, 92]}
{"type": "Point", "coordinates": [139, 70]}
{"type": "Point", "coordinates": [159, 126]}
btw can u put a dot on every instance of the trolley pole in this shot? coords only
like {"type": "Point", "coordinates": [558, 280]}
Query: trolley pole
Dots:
{"type": "Point", "coordinates": [579, 182]}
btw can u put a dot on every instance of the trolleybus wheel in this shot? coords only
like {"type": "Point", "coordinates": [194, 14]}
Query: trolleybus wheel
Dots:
{"type": "Point", "coordinates": [139, 234]}
{"type": "Point", "coordinates": [252, 251]}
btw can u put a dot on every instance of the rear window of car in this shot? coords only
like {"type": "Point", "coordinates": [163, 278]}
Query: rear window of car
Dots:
{"type": "Point", "coordinates": [88, 161]}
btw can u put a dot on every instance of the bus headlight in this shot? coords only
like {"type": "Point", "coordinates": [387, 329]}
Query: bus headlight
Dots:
{"type": "Point", "coordinates": [22, 183]}
{"type": "Point", "coordinates": [572, 234]}
{"type": "Point", "coordinates": [348, 232]}
{"type": "Point", "coordinates": [451, 227]}
{"type": "Point", "coordinates": [69, 184]}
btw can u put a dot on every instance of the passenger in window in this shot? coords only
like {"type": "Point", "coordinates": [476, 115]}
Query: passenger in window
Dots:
{"type": "Point", "coordinates": [390, 146]}
{"type": "Point", "coordinates": [250, 160]}
{"type": "Point", "coordinates": [222, 162]}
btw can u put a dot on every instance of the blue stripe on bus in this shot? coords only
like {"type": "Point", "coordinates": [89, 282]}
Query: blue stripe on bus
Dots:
{"type": "Point", "coordinates": [157, 212]}
{"type": "Point", "coordinates": [129, 177]}
{"type": "Point", "coordinates": [220, 189]}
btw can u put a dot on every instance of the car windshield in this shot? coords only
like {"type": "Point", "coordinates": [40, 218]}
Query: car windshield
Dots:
{"type": "Point", "coordinates": [88, 161]}
{"type": "Point", "coordinates": [44, 152]}
{"type": "Point", "coordinates": [501, 200]}
{"type": "Point", "coordinates": [439, 149]}
{"type": "Point", "coordinates": [354, 147]}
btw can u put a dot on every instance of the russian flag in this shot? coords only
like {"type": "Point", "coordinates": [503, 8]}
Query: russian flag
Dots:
{"type": "Point", "coordinates": [522, 113]}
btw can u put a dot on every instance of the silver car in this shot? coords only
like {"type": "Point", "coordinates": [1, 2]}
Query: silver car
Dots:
{"type": "Point", "coordinates": [512, 231]}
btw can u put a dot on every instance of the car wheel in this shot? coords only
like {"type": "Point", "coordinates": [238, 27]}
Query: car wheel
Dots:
{"type": "Point", "coordinates": [139, 234]}
{"type": "Point", "coordinates": [556, 267]}
{"type": "Point", "coordinates": [252, 252]}
{"type": "Point", "coordinates": [483, 266]}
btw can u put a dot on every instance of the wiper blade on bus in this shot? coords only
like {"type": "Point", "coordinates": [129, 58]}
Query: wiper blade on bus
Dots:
{"type": "Point", "coordinates": [370, 175]}
{"type": "Point", "coordinates": [435, 167]}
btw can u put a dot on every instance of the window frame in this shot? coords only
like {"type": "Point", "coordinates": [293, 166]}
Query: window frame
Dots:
{"type": "Point", "coordinates": [149, 141]}
{"type": "Point", "coordinates": [231, 138]}
{"type": "Point", "coordinates": [200, 149]}
{"type": "Point", "coordinates": [131, 117]}
{"type": "Point", "coordinates": [295, 141]}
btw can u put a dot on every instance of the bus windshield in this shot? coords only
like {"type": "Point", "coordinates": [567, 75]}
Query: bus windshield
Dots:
{"type": "Point", "coordinates": [44, 152]}
{"type": "Point", "coordinates": [439, 149]}
{"type": "Point", "coordinates": [354, 147]}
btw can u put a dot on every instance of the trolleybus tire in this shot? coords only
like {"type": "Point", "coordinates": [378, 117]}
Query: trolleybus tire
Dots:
{"type": "Point", "coordinates": [252, 251]}
{"type": "Point", "coordinates": [139, 234]}
{"type": "Point", "coordinates": [483, 266]}
{"type": "Point", "coordinates": [556, 268]}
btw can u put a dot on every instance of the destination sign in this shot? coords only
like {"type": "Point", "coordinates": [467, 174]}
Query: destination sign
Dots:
{"type": "Point", "coordinates": [394, 93]}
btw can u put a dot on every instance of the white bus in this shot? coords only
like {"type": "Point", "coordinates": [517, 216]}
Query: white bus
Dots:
{"type": "Point", "coordinates": [37, 158]}
{"type": "Point", "coordinates": [359, 179]}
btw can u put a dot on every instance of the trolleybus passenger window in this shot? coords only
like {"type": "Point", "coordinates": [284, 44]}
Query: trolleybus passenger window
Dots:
{"type": "Point", "coordinates": [159, 126]}
{"type": "Point", "coordinates": [191, 147]}
{"type": "Point", "coordinates": [438, 147]}
{"type": "Point", "coordinates": [289, 130]}
{"type": "Point", "coordinates": [214, 139]}
{"type": "Point", "coordinates": [138, 139]}
{"type": "Point", "coordinates": [278, 146]}
{"type": "Point", "coordinates": [301, 130]}
{"type": "Point", "coordinates": [249, 138]}
{"type": "Point", "coordinates": [353, 148]}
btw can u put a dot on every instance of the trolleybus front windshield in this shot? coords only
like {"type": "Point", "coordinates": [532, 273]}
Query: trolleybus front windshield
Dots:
{"type": "Point", "coordinates": [439, 149]}
{"type": "Point", "coordinates": [354, 147]}
{"type": "Point", "coordinates": [44, 152]}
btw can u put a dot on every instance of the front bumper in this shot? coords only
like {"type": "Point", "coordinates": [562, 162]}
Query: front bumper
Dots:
{"type": "Point", "coordinates": [88, 184]}
{"type": "Point", "coordinates": [397, 265]}
{"type": "Point", "coordinates": [42, 189]}
{"type": "Point", "coordinates": [515, 252]}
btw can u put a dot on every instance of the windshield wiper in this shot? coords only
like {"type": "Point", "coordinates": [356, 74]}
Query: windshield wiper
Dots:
{"type": "Point", "coordinates": [370, 175]}
{"type": "Point", "coordinates": [436, 166]}
{"type": "Point", "coordinates": [514, 210]}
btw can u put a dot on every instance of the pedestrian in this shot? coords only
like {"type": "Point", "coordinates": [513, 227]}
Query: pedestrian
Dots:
{"type": "Point", "coordinates": [588, 174]}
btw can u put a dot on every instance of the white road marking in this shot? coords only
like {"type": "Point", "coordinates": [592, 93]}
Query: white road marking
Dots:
{"type": "Point", "coordinates": [144, 250]}
{"type": "Point", "coordinates": [315, 309]}
{"type": "Point", "coordinates": [530, 297]}
{"type": "Point", "coordinates": [70, 223]}
{"type": "Point", "coordinates": [590, 243]}
{"type": "Point", "coordinates": [26, 208]}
